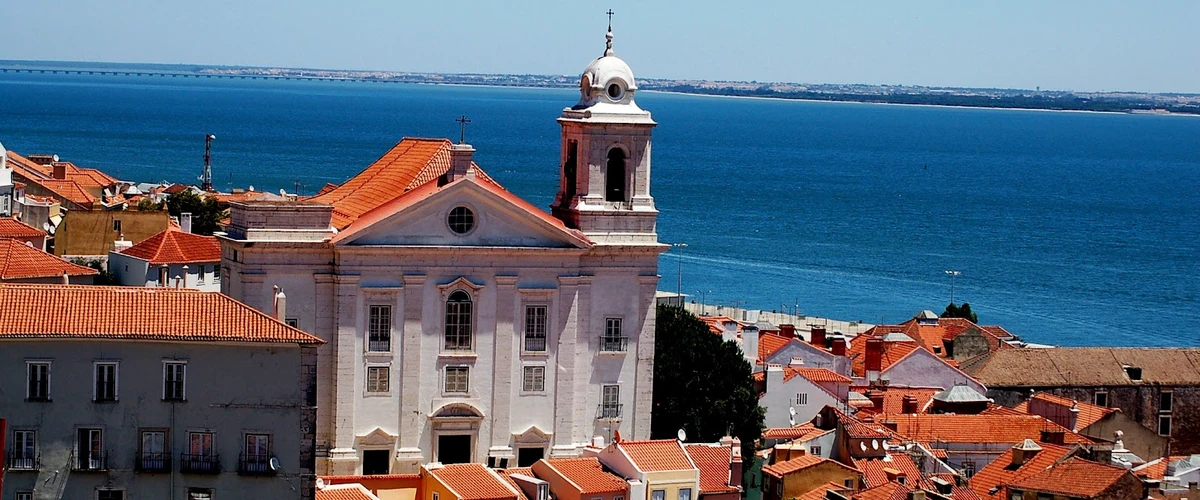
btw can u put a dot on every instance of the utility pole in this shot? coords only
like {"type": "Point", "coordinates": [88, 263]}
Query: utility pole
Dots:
{"type": "Point", "coordinates": [953, 274]}
{"type": "Point", "coordinates": [679, 273]}
{"type": "Point", "coordinates": [206, 177]}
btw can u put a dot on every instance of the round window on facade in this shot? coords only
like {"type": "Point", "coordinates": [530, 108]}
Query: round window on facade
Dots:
{"type": "Point", "coordinates": [461, 220]}
{"type": "Point", "coordinates": [614, 91]}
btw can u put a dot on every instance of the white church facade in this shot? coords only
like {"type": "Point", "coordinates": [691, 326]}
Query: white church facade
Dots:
{"type": "Point", "coordinates": [463, 324]}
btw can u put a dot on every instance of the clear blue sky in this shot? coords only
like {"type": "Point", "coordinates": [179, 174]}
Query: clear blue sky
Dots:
{"type": "Point", "coordinates": [1078, 45]}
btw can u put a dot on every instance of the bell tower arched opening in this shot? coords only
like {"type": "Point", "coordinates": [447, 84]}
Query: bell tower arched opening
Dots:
{"type": "Point", "coordinates": [614, 177]}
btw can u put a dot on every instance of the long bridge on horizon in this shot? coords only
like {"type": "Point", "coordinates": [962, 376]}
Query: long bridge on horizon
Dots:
{"type": "Point", "coordinates": [106, 72]}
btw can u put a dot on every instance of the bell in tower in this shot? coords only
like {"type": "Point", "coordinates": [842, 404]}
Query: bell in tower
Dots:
{"type": "Point", "coordinates": [605, 180]}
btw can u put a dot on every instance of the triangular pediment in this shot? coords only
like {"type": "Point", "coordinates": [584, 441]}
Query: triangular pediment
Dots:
{"type": "Point", "coordinates": [497, 219]}
{"type": "Point", "coordinates": [377, 437]}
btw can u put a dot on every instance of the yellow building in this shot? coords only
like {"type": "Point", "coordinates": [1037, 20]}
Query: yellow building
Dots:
{"type": "Point", "coordinates": [805, 473]}
{"type": "Point", "coordinates": [656, 469]}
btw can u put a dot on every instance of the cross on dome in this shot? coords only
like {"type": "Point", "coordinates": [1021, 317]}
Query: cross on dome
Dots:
{"type": "Point", "coordinates": [608, 51]}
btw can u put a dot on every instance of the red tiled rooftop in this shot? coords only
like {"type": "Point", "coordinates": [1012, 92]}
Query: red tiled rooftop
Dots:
{"type": "Point", "coordinates": [1088, 413]}
{"type": "Point", "coordinates": [817, 375]}
{"type": "Point", "coordinates": [657, 455]}
{"type": "Point", "coordinates": [1075, 477]}
{"type": "Point", "coordinates": [893, 400]}
{"type": "Point", "coordinates": [21, 261]}
{"type": "Point", "coordinates": [780, 469]}
{"type": "Point", "coordinates": [110, 312]}
{"type": "Point", "coordinates": [713, 462]}
{"type": "Point", "coordinates": [345, 492]}
{"type": "Point", "coordinates": [875, 472]}
{"type": "Point", "coordinates": [176, 247]}
{"type": "Point", "coordinates": [507, 474]}
{"type": "Point", "coordinates": [892, 352]}
{"type": "Point", "coordinates": [819, 493]}
{"type": "Point", "coordinates": [473, 482]}
{"type": "Point", "coordinates": [802, 432]}
{"type": "Point", "coordinates": [886, 491]}
{"type": "Point", "coordinates": [588, 474]}
{"type": "Point", "coordinates": [1156, 469]}
{"type": "Point", "coordinates": [13, 228]}
{"type": "Point", "coordinates": [770, 343]}
{"type": "Point", "coordinates": [1001, 471]}
{"type": "Point", "coordinates": [951, 428]}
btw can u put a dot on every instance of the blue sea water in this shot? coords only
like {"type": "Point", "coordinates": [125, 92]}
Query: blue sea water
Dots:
{"type": "Point", "coordinates": [1068, 228]}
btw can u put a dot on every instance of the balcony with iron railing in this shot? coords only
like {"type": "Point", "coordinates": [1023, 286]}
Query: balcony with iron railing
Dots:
{"type": "Point", "coordinates": [153, 462]}
{"type": "Point", "coordinates": [204, 463]}
{"type": "Point", "coordinates": [608, 411]}
{"type": "Point", "coordinates": [92, 462]}
{"type": "Point", "coordinates": [18, 461]}
{"type": "Point", "coordinates": [535, 344]}
{"type": "Point", "coordinates": [609, 343]}
{"type": "Point", "coordinates": [255, 465]}
{"type": "Point", "coordinates": [379, 345]}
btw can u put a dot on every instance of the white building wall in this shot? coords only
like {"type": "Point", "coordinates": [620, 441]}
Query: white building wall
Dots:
{"type": "Point", "coordinates": [132, 271]}
{"type": "Point", "coordinates": [781, 395]}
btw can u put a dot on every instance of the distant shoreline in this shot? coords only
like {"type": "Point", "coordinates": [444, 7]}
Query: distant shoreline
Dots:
{"type": "Point", "coordinates": [943, 97]}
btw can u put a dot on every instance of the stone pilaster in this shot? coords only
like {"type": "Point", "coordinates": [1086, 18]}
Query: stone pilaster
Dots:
{"type": "Point", "coordinates": [343, 459]}
{"type": "Point", "coordinates": [564, 351]}
{"type": "Point", "coordinates": [502, 366]}
{"type": "Point", "coordinates": [325, 327]}
{"type": "Point", "coordinates": [586, 345]}
{"type": "Point", "coordinates": [643, 389]}
{"type": "Point", "coordinates": [413, 421]}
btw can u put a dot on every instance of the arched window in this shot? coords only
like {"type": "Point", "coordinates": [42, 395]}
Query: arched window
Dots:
{"type": "Point", "coordinates": [570, 172]}
{"type": "Point", "coordinates": [458, 321]}
{"type": "Point", "coordinates": [614, 179]}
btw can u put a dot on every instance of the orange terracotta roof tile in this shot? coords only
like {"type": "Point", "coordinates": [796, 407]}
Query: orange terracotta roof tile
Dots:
{"type": "Point", "coordinates": [10, 227]}
{"type": "Point", "coordinates": [21, 261]}
{"type": "Point", "coordinates": [952, 428]}
{"type": "Point", "coordinates": [506, 475]}
{"type": "Point", "coordinates": [886, 491]}
{"type": "Point", "coordinates": [105, 312]}
{"type": "Point", "coordinates": [173, 246]}
{"type": "Point", "coordinates": [1088, 413]}
{"type": "Point", "coordinates": [875, 470]}
{"type": "Point", "coordinates": [588, 474]}
{"type": "Point", "coordinates": [770, 343]}
{"type": "Point", "coordinates": [893, 400]}
{"type": "Point", "coordinates": [816, 375]}
{"type": "Point", "coordinates": [892, 352]}
{"type": "Point", "coordinates": [819, 493]}
{"type": "Point", "coordinates": [802, 432]}
{"type": "Point", "coordinates": [345, 492]}
{"type": "Point", "coordinates": [1156, 469]}
{"type": "Point", "coordinates": [714, 464]}
{"type": "Point", "coordinates": [474, 482]}
{"type": "Point", "coordinates": [780, 469]}
{"type": "Point", "coordinates": [995, 409]}
{"type": "Point", "coordinates": [68, 190]}
{"type": "Point", "coordinates": [657, 455]}
{"type": "Point", "coordinates": [1001, 472]}
{"type": "Point", "coordinates": [1075, 477]}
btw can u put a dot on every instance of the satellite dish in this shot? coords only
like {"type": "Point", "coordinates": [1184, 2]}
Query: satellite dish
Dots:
{"type": "Point", "coordinates": [320, 484]}
{"type": "Point", "coordinates": [274, 463]}
{"type": "Point", "coordinates": [862, 445]}
{"type": "Point", "coordinates": [875, 444]}
{"type": "Point", "coordinates": [682, 435]}
{"type": "Point", "coordinates": [792, 411]}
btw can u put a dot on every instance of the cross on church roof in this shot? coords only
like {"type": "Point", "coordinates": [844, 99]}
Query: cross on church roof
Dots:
{"type": "Point", "coordinates": [610, 13]}
{"type": "Point", "coordinates": [462, 128]}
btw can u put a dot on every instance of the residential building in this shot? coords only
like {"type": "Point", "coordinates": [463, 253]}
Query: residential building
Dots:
{"type": "Point", "coordinates": [464, 324]}
{"type": "Point", "coordinates": [192, 259]}
{"type": "Point", "coordinates": [1158, 388]}
{"type": "Point", "coordinates": [897, 359]}
{"type": "Point", "coordinates": [1076, 478]}
{"type": "Point", "coordinates": [794, 394]}
{"type": "Point", "coordinates": [720, 467]}
{"type": "Point", "coordinates": [384, 486]}
{"type": "Point", "coordinates": [20, 262]}
{"type": "Point", "coordinates": [466, 481]}
{"type": "Point", "coordinates": [1020, 461]}
{"type": "Point", "coordinates": [656, 469]}
{"type": "Point", "coordinates": [897, 467]}
{"type": "Point", "coordinates": [954, 339]}
{"type": "Point", "coordinates": [115, 393]}
{"type": "Point", "coordinates": [802, 474]}
{"type": "Point", "coordinates": [345, 492]}
{"type": "Point", "coordinates": [581, 478]}
{"type": "Point", "coordinates": [804, 438]}
{"type": "Point", "coordinates": [92, 234]}
{"type": "Point", "coordinates": [74, 187]}
{"type": "Point", "coordinates": [1100, 423]}
{"type": "Point", "coordinates": [785, 347]}
{"type": "Point", "coordinates": [973, 441]}
{"type": "Point", "coordinates": [13, 228]}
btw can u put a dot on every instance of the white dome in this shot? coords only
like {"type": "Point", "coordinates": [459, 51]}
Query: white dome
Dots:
{"type": "Point", "coordinates": [606, 80]}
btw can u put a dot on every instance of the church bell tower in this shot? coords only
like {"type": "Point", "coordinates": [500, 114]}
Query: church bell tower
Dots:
{"type": "Point", "coordinates": [604, 187]}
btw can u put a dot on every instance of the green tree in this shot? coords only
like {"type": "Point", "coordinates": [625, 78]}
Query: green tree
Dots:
{"type": "Point", "coordinates": [702, 384]}
{"type": "Point", "coordinates": [206, 213]}
{"type": "Point", "coordinates": [148, 205]}
{"type": "Point", "coordinates": [963, 311]}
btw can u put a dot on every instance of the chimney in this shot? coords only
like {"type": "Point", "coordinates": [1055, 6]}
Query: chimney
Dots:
{"type": "Point", "coordinates": [163, 271]}
{"type": "Point", "coordinates": [1053, 436]}
{"type": "Point", "coordinates": [280, 305]}
{"type": "Point", "coordinates": [916, 495]}
{"type": "Point", "coordinates": [185, 221]}
{"type": "Point", "coordinates": [1073, 417]}
{"type": "Point", "coordinates": [876, 398]}
{"type": "Point", "coordinates": [460, 161]}
{"type": "Point", "coordinates": [178, 280]}
{"type": "Point", "coordinates": [66, 279]}
{"type": "Point", "coordinates": [817, 336]}
{"type": "Point", "coordinates": [788, 331]}
{"type": "Point", "coordinates": [750, 344]}
{"type": "Point", "coordinates": [121, 244]}
{"type": "Point", "coordinates": [908, 404]}
{"type": "Point", "coordinates": [185, 270]}
{"type": "Point", "coordinates": [839, 347]}
{"type": "Point", "coordinates": [874, 361]}
{"type": "Point", "coordinates": [59, 170]}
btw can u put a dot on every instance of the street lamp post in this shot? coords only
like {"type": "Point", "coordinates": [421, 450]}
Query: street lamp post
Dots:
{"type": "Point", "coordinates": [953, 274]}
{"type": "Point", "coordinates": [679, 273]}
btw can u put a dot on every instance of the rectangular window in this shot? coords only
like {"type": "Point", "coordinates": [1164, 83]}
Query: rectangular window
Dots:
{"type": "Point", "coordinates": [217, 275]}
{"type": "Point", "coordinates": [814, 451]}
{"type": "Point", "coordinates": [199, 494]}
{"type": "Point", "coordinates": [24, 451]}
{"type": "Point", "coordinates": [292, 322]}
{"type": "Point", "coordinates": [104, 384]}
{"type": "Point", "coordinates": [1164, 425]}
{"type": "Point", "coordinates": [1164, 401]}
{"type": "Point", "coordinates": [89, 449]}
{"type": "Point", "coordinates": [110, 494]}
{"type": "Point", "coordinates": [174, 381]}
{"type": "Point", "coordinates": [24, 495]}
{"type": "Point", "coordinates": [117, 225]}
{"type": "Point", "coordinates": [377, 378]}
{"type": "Point", "coordinates": [610, 401]}
{"type": "Point", "coordinates": [200, 275]}
{"type": "Point", "coordinates": [457, 379]}
{"type": "Point", "coordinates": [153, 452]}
{"type": "Point", "coordinates": [612, 340]}
{"type": "Point", "coordinates": [535, 379]}
{"type": "Point", "coordinates": [200, 444]}
{"type": "Point", "coordinates": [658, 495]}
{"type": "Point", "coordinates": [1101, 398]}
{"type": "Point", "coordinates": [849, 483]}
{"type": "Point", "coordinates": [801, 399]}
{"type": "Point", "coordinates": [258, 447]}
{"type": "Point", "coordinates": [685, 494]}
{"type": "Point", "coordinates": [535, 328]}
{"type": "Point", "coordinates": [38, 381]}
{"type": "Point", "coordinates": [379, 329]}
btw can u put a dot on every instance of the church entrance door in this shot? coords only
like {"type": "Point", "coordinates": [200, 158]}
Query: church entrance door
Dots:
{"type": "Point", "coordinates": [454, 449]}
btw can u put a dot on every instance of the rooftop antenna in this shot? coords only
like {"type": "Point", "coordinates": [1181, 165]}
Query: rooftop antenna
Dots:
{"type": "Point", "coordinates": [462, 128]}
{"type": "Point", "coordinates": [206, 177]}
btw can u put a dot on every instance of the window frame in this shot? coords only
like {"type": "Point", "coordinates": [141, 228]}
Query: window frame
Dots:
{"type": "Point", "coordinates": [684, 494]}
{"type": "Point", "coordinates": [387, 379]}
{"type": "Point", "coordinates": [23, 495]}
{"type": "Point", "coordinates": [379, 330]}
{"type": "Point", "coordinates": [1164, 418]}
{"type": "Point", "coordinates": [202, 491]}
{"type": "Point", "coordinates": [613, 338]}
{"type": "Point", "coordinates": [258, 437]}
{"type": "Point", "coordinates": [20, 446]}
{"type": "Point", "coordinates": [466, 382]}
{"type": "Point", "coordinates": [200, 275]}
{"type": "Point", "coordinates": [119, 491]}
{"type": "Point", "coordinates": [535, 334]}
{"type": "Point", "coordinates": [540, 378]}
{"type": "Point", "coordinates": [658, 494]}
{"type": "Point", "coordinates": [452, 322]}
{"type": "Point", "coordinates": [1166, 401]}
{"type": "Point", "coordinates": [1096, 398]}
{"type": "Point", "coordinates": [116, 381]}
{"type": "Point", "coordinates": [212, 443]}
{"type": "Point", "coordinates": [460, 216]}
{"type": "Point", "coordinates": [29, 378]}
{"type": "Point", "coordinates": [814, 451]}
{"type": "Point", "coordinates": [182, 364]}
{"type": "Point", "coordinates": [164, 454]}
